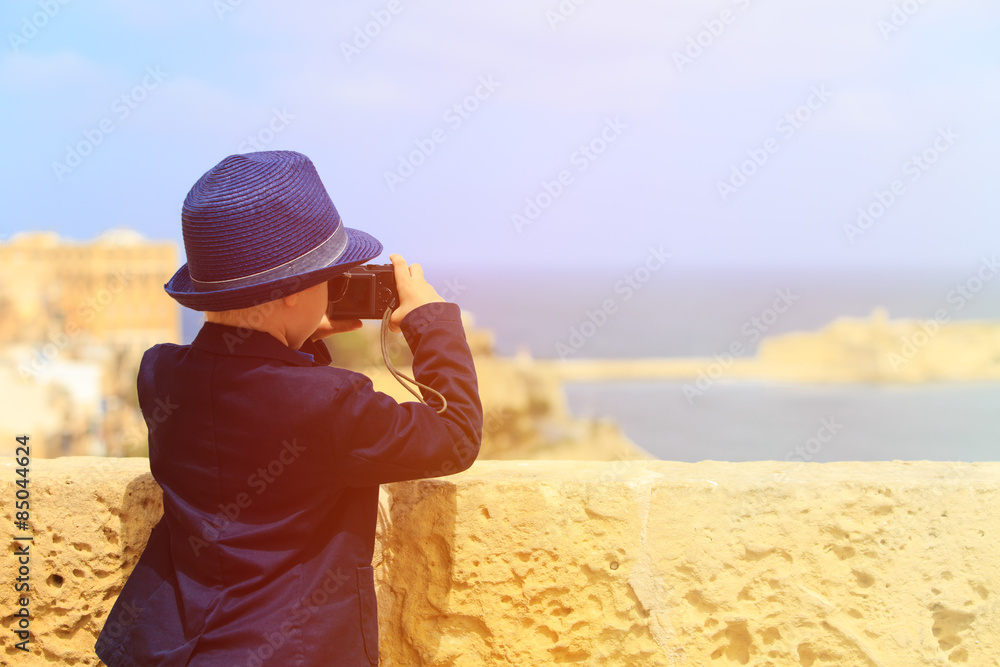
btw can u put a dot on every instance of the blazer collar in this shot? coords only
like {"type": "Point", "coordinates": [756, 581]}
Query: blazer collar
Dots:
{"type": "Point", "coordinates": [241, 342]}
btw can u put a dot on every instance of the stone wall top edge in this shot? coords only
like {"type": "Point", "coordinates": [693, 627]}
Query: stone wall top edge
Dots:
{"type": "Point", "coordinates": [629, 471]}
{"type": "Point", "coordinates": [66, 464]}
{"type": "Point", "coordinates": [745, 472]}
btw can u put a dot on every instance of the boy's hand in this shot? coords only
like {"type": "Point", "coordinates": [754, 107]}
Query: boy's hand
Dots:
{"type": "Point", "coordinates": [328, 327]}
{"type": "Point", "coordinates": [413, 290]}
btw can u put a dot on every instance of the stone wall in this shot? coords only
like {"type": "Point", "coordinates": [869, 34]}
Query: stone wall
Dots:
{"type": "Point", "coordinates": [625, 563]}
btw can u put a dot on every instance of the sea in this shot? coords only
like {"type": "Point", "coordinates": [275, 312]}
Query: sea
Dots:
{"type": "Point", "coordinates": [645, 311]}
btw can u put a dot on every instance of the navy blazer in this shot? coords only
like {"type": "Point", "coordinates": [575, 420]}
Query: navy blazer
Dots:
{"type": "Point", "coordinates": [270, 463]}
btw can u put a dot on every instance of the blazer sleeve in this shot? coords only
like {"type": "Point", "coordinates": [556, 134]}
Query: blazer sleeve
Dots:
{"type": "Point", "coordinates": [385, 441]}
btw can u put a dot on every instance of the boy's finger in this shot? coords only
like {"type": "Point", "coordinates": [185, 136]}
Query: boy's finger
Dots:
{"type": "Point", "coordinates": [399, 267]}
{"type": "Point", "coordinates": [343, 326]}
{"type": "Point", "coordinates": [416, 271]}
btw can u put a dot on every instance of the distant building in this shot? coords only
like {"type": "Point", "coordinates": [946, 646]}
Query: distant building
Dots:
{"type": "Point", "coordinates": [75, 317]}
{"type": "Point", "coordinates": [110, 288]}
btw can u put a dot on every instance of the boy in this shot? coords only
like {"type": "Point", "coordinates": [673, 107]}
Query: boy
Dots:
{"type": "Point", "coordinates": [271, 463]}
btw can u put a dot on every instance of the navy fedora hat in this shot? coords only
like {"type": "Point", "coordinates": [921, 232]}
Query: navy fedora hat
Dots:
{"type": "Point", "coordinates": [260, 226]}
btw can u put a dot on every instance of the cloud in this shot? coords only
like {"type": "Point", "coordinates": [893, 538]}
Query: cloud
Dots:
{"type": "Point", "coordinates": [155, 16]}
{"type": "Point", "coordinates": [186, 105]}
{"type": "Point", "coordinates": [20, 72]}
{"type": "Point", "coordinates": [865, 110]}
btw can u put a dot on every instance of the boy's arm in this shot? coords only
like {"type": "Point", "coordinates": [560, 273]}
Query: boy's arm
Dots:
{"type": "Point", "coordinates": [386, 441]}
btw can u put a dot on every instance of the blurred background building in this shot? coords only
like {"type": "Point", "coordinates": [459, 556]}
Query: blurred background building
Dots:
{"type": "Point", "coordinates": [75, 318]}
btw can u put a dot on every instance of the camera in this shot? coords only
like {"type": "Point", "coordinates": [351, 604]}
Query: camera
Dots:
{"type": "Point", "coordinates": [362, 293]}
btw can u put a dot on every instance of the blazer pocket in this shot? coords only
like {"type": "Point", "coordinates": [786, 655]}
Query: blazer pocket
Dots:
{"type": "Point", "coordinates": [369, 612]}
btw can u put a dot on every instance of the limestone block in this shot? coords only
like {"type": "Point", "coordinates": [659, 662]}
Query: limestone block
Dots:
{"type": "Point", "coordinates": [518, 563]}
{"type": "Point", "coordinates": [91, 517]}
{"type": "Point", "coordinates": [659, 563]}
{"type": "Point", "coordinates": [629, 563]}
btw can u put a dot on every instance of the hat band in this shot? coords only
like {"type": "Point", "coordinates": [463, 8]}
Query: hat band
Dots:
{"type": "Point", "coordinates": [322, 256]}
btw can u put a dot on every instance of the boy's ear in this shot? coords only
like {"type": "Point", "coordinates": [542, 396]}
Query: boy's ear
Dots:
{"type": "Point", "coordinates": [290, 300]}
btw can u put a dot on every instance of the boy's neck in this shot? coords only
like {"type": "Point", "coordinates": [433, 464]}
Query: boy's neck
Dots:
{"type": "Point", "coordinates": [239, 319]}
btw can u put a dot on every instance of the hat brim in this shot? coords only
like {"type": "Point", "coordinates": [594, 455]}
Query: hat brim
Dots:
{"type": "Point", "coordinates": [361, 247]}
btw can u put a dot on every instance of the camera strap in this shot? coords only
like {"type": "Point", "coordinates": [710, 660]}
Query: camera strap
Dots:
{"type": "Point", "coordinates": [384, 335]}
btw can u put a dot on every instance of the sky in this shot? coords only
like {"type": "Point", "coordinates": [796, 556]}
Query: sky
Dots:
{"type": "Point", "coordinates": [730, 133]}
